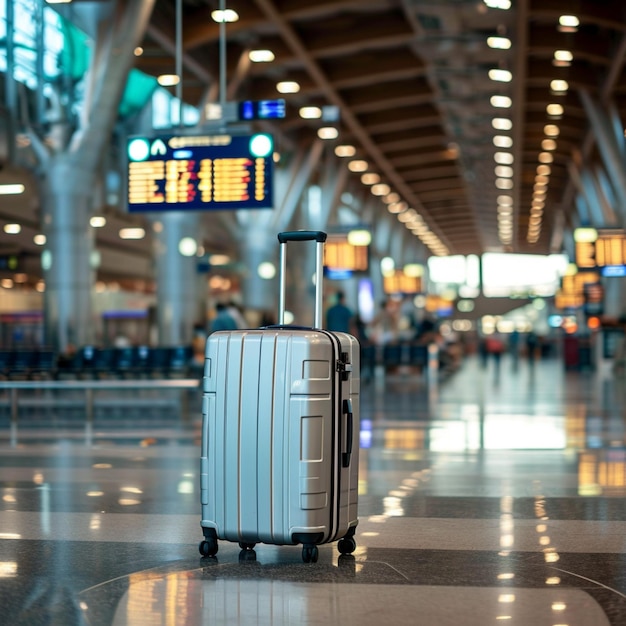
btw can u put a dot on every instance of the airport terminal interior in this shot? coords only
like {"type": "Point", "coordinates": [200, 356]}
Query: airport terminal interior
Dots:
{"type": "Point", "coordinates": [462, 158]}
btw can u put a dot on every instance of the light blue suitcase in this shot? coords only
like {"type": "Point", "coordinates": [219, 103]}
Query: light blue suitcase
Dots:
{"type": "Point", "coordinates": [280, 432]}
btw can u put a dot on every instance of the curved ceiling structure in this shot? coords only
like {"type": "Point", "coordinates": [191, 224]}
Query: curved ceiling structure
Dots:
{"type": "Point", "coordinates": [501, 128]}
{"type": "Point", "coordinates": [415, 85]}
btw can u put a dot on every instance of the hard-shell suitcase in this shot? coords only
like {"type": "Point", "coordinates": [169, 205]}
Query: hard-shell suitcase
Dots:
{"type": "Point", "coordinates": [280, 432]}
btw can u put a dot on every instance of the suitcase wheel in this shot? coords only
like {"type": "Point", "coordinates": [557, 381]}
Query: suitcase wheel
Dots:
{"type": "Point", "coordinates": [347, 545]}
{"type": "Point", "coordinates": [246, 546]}
{"type": "Point", "coordinates": [208, 547]}
{"type": "Point", "coordinates": [310, 554]}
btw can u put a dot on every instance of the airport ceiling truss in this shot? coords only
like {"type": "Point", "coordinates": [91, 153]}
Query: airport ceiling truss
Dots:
{"type": "Point", "coordinates": [412, 82]}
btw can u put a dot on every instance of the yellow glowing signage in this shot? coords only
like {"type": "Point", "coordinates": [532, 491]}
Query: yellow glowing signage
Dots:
{"type": "Point", "coordinates": [607, 249]}
{"type": "Point", "coordinates": [340, 255]}
{"type": "Point", "coordinates": [399, 282]}
{"type": "Point", "coordinates": [200, 172]}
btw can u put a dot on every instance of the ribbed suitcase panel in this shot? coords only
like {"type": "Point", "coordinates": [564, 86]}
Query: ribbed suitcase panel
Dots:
{"type": "Point", "coordinates": [269, 449]}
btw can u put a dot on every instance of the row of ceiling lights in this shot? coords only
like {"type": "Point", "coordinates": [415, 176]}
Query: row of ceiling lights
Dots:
{"type": "Point", "coordinates": [504, 160]}
{"type": "Point", "coordinates": [503, 157]}
{"type": "Point", "coordinates": [554, 111]}
{"type": "Point", "coordinates": [96, 221]}
{"type": "Point", "coordinates": [406, 215]}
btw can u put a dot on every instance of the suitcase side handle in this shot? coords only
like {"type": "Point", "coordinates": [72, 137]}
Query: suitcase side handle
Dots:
{"type": "Point", "coordinates": [347, 410]}
{"type": "Point", "coordinates": [302, 235]}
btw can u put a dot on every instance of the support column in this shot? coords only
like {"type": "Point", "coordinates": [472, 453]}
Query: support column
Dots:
{"type": "Point", "coordinates": [67, 257]}
{"type": "Point", "coordinates": [259, 245]}
{"type": "Point", "coordinates": [177, 297]}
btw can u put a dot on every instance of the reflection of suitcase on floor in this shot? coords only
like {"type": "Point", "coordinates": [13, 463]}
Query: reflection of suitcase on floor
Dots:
{"type": "Point", "coordinates": [280, 432]}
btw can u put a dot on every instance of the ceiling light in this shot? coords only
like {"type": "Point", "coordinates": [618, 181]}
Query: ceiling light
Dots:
{"type": "Point", "coordinates": [568, 23]}
{"type": "Point", "coordinates": [6, 190]}
{"type": "Point", "coordinates": [397, 207]}
{"type": "Point", "coordinates": [503, 158]}
{"type": "Point", "coordinates": [501, 102]}
{"type": "Point", "coordinates": [505, 200]}
{"type": "Point", "coordinates": [501, 123]}
{"type": "Point", "coordinates": [501, 76]}
{"type": "Point", "coordinates": [12, 229]}
{"type": "Point", "coordinates": [551, 130]}
{"type": "Point", "coordinates": [554, 110]}
{"type": "Point", "coordinates": [288, 86]}
{"type": "Point", "coordinates": [585, 235]}
{"type": "Point", "coordinates": [562, 58]}
{"type": "Point", "coordinates": [97, 221]}
{"type": "Point", "coordinates": [188, 246]}
{"type": "Point", "coordinates": [370, 178]}
{"type": "Point", "coordinates": [504, 183]}
{"type": "Point", "coordinates": [226, 15]}
{"type": "Point", "coordinates": [357, 165]}
{"type": "Point", "coordinates": [310, 113]}
{"type": "Point", "coordinates": [380, 189]}
{"type": "Point", "coordinates": [359, 237]}
{"type": "Point", "coordinates": [132, 233]}
{"type": "Point", "coordinates": [499, 43]}
{"type": "Point", "coordinates": [548, 144]}
{"type": "Point", "coordinates": [219, 259]}
{"type": "Point", "coordinates": [345, 151]}
{"type": "Point", "coordinates": [266, 270]}
{"type": "Point", "coordinates": [503, 171]}
{"type": "Point", "coordinates": [498, 4]}
{"type": "Point", "coordinates": [138, 51]}
{"type": "Point", "coordinates": [261, 56]}
{"type": "Point", "coordinates": [542, 178]}
{"type": "Point", "coordinates": [391, 197]}
{"type": "Point", "coordinates": [559, 86]}
{"type": "Point", "coordinates": [168, 80]}
{"type": "Point", "coordinates": [39, 240]}
{"type": "Point", "coordinates": [545, 157]}
{"type": "Point", "coordinates": [327, 132]}
{"type": "Point", "coordinates": [502, 141]}
{"type": "Point", "coordinates": [544, 169]}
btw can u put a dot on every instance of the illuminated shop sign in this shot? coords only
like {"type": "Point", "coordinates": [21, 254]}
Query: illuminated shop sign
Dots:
{"type": "Point", "coordinates": [600, 248]}
{"type": "Point", "coordinates": [200, 172]}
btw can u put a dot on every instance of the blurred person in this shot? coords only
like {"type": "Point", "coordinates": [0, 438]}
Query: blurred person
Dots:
{"type": "Point", "coordinates": [223, 320]}
{"type": "Point", "coordinates": [385, 324]}
{"type": "Point", "coordinates": [339, 318]}
{"type": "Point", "coordinates": [495, 347]}
{"type": "Point", "coordinates": [235, 311]}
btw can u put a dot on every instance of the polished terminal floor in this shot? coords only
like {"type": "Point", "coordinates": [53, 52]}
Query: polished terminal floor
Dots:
{"type": "Point", "coordinates": [493, 497]}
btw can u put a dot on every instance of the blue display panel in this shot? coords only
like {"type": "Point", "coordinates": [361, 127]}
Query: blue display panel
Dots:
{"type": "Point", "coordinates": [200, 172]}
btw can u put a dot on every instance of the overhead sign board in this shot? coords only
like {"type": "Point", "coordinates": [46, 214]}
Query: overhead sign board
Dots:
{"type": "Point", "coordinates": [200, 172]}
{"type": "Point", "coordinates": [601, 248]}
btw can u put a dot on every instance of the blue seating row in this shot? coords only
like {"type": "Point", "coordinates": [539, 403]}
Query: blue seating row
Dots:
{"type": "Point", "coordinates": [96, 362]}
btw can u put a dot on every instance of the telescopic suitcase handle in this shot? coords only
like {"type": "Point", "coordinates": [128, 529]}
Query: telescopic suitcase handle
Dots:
{"type": "Point", "coordinates": [302, 235]}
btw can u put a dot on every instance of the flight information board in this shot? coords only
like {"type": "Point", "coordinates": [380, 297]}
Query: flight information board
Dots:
{"type": "Point", "coordinates": [200, 172]}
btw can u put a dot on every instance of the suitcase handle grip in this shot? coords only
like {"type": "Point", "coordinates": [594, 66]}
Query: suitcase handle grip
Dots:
{"type": "Point", "coordinates": [302, 235]}
{"type": "Point", "coordinates": [347, 409]}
